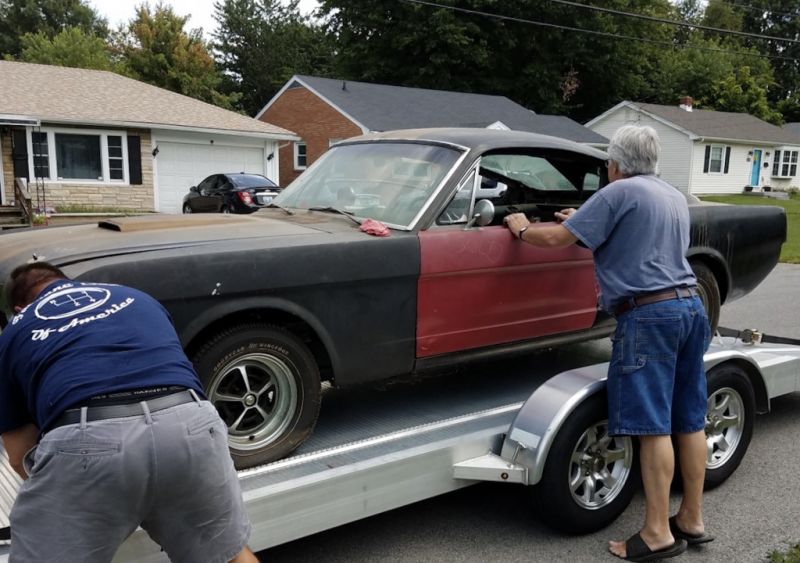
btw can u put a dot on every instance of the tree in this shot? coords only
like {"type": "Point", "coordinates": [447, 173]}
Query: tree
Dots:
{"type": "Point", "coordinates": [157, 50]}
{"type": "Point", "coordinates": [741, 92]}
{"type": "Point", "coordinates": [71, 47]}
{"type": "Point", "coordinates": [48, 17]}
{"type": "Point", "coordinates": [260, 44]}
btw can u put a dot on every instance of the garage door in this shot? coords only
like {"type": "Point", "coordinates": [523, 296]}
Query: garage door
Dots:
{"type": "Point", "coordinates": [181, 165]}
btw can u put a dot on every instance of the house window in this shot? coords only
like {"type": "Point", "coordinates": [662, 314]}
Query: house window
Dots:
{"type": "Point", "coordinates": [715, 159]}
{"type": "Point", "coordinates": [299, 156]}
{"type": "Point", "coordinates": [41, 160]}
{"type": "Point", "coordinates": [76, 155]}
{"type": "Point", "coordinates": [785, 163]}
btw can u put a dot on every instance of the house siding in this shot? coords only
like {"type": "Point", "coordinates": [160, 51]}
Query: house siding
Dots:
{"type": "Point", "coordinates": [739, 170]}
{"type": "Point", "coordinates": [676, 148]}
{"type": "Point", "coordinates": [313, 120]}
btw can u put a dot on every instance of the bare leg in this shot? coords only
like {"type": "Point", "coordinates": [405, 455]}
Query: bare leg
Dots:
{"type": "Point", "coordinates": [245, 556]}
{"type": "Point", "coordinates": [692, 451]}
{"type": "Point", "coordinates": [658, 465]}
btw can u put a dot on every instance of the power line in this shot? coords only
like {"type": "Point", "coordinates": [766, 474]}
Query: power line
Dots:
{"type": "Point", "coordinates": [762, 10]}
{"type": "Point", "coordinates": [672, 22]}
{"type": "Point", "coordinates": [594, 32]}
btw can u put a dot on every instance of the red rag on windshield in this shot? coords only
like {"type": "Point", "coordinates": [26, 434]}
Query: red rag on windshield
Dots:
{"type": "Point", "coordinates": [375, 228]}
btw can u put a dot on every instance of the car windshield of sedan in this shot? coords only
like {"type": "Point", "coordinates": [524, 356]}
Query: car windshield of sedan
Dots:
{"type": "Point", "coordinates": [387, 181]}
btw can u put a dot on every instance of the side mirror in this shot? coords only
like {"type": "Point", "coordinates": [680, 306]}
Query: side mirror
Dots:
{"type": "Point", "coordinates": [193, 189]}
{"type": "Point", "coordinates": [482, 215]}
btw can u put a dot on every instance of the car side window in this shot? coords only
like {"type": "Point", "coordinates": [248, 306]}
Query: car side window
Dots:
{"type": "Point", "coordinates": [457, 211]}
{"type": "Point", "coordinates": [207, 186]}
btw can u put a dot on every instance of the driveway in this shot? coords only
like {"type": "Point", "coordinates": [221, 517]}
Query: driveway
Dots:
{"type": "Point", "coordinates": [754, 512]}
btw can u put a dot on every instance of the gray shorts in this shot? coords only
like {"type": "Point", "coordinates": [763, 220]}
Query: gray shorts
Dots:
{"type": "Point", "coordinates": [92, 484]}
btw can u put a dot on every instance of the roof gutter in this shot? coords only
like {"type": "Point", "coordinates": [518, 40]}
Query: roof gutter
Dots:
{"type": "Point", "coordinates": [746, 141]}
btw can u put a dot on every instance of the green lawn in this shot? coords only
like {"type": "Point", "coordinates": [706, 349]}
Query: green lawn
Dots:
{"type": "Point", "coordinates": [791, 248]}
{"type": "Point", "coordinates": [790, 556]}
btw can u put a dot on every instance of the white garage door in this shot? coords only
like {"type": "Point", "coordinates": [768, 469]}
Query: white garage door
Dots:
{"type": "Point", "coordinates": [182, 165]}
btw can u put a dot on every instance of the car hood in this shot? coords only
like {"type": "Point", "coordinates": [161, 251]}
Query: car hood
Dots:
{"type": "Point", "coordinates": [131, 235]}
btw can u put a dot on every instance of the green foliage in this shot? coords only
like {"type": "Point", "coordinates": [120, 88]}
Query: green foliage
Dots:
{"type": "Point", "coordinates": [790, 556]}
{"type": "Point", "coordinates": [46, 17]}
{"type": "Point", "coordinates": [71, 47]}
{"type": "Point", "coordinates": [790, 252]}
{"type": "Point", "coordinates": [741, 92]}
{"type": "Point", "coordinates": [721, 15]}
{"type": "Point", "coordinates": [260, 44]}
{"type": "Point", "coordinates": [157, 50]}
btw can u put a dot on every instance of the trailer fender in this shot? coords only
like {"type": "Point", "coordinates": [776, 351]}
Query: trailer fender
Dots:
{"type": "Point", "coordinates": [537, 423]}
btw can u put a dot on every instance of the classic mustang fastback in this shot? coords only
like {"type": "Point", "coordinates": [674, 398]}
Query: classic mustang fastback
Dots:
{"type": "Point", "coordinates": [270, 305]}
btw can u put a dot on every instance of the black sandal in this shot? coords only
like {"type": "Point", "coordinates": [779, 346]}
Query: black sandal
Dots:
{"type": "Point", "coordinates": [637, 550]}
{"type": "Point", "coordinates": [691, 539]}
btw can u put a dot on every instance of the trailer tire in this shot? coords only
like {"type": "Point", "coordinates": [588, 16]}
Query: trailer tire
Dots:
{"type": "Point", "coordinates": [265, 384]}
{"type": "Point", "coordinates": [729, 421]}
{"type": "Point", "coordinates": [708, 291]}
{"type": "Point", "coordinates": [582, 457]}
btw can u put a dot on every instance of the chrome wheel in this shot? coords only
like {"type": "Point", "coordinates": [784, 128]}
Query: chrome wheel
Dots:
{"type": "Point", "coordinates": [725, 421]}
{"type": "Point", "coordinates": [600, 467]}
{"type": "Point", "coordinates": [257, 397]}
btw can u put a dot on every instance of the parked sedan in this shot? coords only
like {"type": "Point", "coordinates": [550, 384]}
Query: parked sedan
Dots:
{"type": "Point", "coordinates": [230, 193]}
{"type": "Point", "coordinates": [270, 305]}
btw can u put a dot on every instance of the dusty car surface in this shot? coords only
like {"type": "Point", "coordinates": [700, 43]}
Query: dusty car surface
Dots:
{"type": "Point", "coordinates": [271, 304]}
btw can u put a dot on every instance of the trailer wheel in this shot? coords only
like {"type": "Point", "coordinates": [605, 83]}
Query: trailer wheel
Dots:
{"type": "Point", "coordinates": [589, 477]}
{"type": "Point", "coordinates": [265, 385]}
{"type": "Point", "coordinates": [708, 291]}
{"type": "Point", "coordinates": [729, 422]}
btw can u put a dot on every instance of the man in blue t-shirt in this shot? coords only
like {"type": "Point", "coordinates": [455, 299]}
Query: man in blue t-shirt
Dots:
{"type": "Point", "coordinates": [95, 387]}
{"type": "Point", "coordinates": [637, 228]}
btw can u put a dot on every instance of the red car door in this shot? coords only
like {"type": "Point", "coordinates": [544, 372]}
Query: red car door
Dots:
{"type": "Point", "coordinates": [481, 287]}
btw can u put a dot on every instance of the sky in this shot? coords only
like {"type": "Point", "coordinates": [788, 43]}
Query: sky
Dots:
{"type": "Point", "coordinates": [201, 11]}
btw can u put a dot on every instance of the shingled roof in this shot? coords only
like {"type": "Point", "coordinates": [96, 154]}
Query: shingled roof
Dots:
{"type": "Point", "coordinates": [55, 94]}
{"type": "Point", "coordinates": [722, 125]}
{"type": "Point", "coordinates": [379, 107]}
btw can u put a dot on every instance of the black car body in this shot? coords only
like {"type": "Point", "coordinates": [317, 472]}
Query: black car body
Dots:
{"type": "Point", "coordinates": [270, 305]}
{"type": "Point", "coordinates": [230, 193]}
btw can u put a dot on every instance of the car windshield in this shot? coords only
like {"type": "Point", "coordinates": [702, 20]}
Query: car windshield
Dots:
{"type": "Point", "coordinates": [250, 181]}
{"type": "Point", "coordinates": [387, 181]}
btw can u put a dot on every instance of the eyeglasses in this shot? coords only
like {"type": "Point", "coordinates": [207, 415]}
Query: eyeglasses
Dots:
{"type": "Point", "coordinates": [608, 163]}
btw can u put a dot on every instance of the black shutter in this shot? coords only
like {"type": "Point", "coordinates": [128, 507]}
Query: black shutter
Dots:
{"type": "Point", "coordinates": [708, 157]}
{"type": "Point", "coordinates": [727, 158]}
{"type": "Point", "coordinates": [135, 159]}
{"type": "Point", "coordinates": [19, 153]}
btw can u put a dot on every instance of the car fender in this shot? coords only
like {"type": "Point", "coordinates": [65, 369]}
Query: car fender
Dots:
{"type": "Point", "coordinates": [215, 312]}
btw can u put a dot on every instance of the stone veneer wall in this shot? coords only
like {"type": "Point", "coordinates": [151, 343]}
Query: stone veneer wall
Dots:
{"type": "Point", "coordinates": [132, 197]}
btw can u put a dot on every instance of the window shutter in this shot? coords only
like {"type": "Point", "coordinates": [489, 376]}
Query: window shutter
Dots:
{"type": "Point", "coordinates": [135, 159]}
{"type": "Point", "coordinates": [727, 158]}
{"type": "Point", "coordinates": [19, 154]}
{"type": "Point", "coordinates": [708, 157]}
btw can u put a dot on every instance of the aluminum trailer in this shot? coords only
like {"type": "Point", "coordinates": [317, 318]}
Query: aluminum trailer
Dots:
{"type": "Point", "coordinates": [377, 449]}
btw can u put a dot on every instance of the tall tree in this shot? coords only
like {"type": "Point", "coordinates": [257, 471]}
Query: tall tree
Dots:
{"type": "Point", "coordinates": [158, 50]}
{"type": "Point", "coordinates": [71, 47]}
{"type": "Point", "coordinates": [260, 44]}
{"type": "Point", "coordinates": [48, 17]}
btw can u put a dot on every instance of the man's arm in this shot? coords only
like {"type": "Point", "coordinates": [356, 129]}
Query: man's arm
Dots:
{"type": "Point", "coordinates": [17, 442]}
{"type": "Point", "coordinates": [542, 235]}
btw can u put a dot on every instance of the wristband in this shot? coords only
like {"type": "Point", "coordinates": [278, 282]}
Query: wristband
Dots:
{"type": "Point", "coordinates": [522, 231]}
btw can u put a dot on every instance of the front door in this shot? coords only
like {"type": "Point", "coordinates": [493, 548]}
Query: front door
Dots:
{"type": "Point", "coordinates": [755, 174]}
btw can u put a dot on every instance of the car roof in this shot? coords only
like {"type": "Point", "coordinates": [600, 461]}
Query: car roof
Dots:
{"type": "Point", "coordinates": [482, 140]}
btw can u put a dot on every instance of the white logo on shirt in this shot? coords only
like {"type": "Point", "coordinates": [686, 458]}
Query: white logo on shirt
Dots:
{"type": "Point", "coordinates": [71, 302]}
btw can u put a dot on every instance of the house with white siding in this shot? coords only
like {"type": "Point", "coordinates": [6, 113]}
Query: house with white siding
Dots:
{"type": "Point", "coordinates": [712, 152]}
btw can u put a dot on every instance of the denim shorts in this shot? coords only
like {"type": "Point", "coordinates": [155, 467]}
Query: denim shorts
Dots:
{"type": "Point", "coordinates": [92, 484]}
{"type": "Point", "coordinates": [656, 378]}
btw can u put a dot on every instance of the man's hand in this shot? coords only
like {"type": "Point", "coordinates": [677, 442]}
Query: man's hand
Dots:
{"type": "Point", "coordinates": [564, 214]}
{"type": "Point", "coordinates": [516, 222]}
{"type": "Point", "coordinates": [17, 442]}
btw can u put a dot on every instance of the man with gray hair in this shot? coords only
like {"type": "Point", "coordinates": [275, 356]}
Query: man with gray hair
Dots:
{"type": "Point", "coordinates": [637, 228]}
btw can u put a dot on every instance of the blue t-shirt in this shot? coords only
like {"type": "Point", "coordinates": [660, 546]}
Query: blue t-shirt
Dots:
{"type": "Point", "coordinates": [638, 231]}
{"type": "Point", "coordinates": [78, 340]}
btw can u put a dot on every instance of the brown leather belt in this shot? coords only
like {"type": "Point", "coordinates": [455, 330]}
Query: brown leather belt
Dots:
{"type": "Point", "coordinates": [649, 298]}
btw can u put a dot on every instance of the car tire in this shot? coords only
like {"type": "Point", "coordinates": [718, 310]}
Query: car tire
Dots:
{"type": "Point", "coordinates": [224, 209]}
{"type": "Point", "coordinates": [708, 291]}
{"type": "Point", "coordinates": [730, 417]}
{"type": "Point", "coordinates": [582, 457]}
{"type": "Point", "coordinates": [265, 384]}
{"type": "Point", "coordinates": [187, 209]}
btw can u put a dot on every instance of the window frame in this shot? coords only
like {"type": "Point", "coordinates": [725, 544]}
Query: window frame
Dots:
{"type": "Point", "coordinates": [296, 158]}
{"type": "Point", "coordinates": [721, 159]}
{"type": "Point", "coordinates": [785, 162]}
{"type": "Point", "coordinates": [105, 167]}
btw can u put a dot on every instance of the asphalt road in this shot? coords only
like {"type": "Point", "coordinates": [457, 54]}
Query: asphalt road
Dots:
{"type": "Point", "coordinates": [756, 511]}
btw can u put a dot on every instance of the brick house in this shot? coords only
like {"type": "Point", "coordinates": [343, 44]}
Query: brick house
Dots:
{"type": "Point", "coordinates": [323, 110]}
{"type": "Point", "coordinates": [96, 139]}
